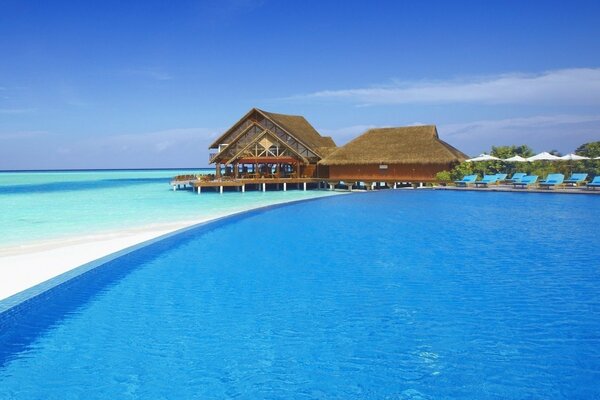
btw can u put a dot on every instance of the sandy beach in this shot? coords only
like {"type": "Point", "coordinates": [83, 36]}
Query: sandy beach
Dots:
{"type": "Point", "coordinates": [22, 267]}
{"type": "Point", "coordinates": [26, 266]}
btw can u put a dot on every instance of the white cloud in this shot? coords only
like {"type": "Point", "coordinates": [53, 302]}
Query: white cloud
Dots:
{"type": "Point", "coordinates": [576, 86]}
{"type": "Point", "coordinates": [561, 132]}
{"type": "Point", "coordinates": [542, 132]}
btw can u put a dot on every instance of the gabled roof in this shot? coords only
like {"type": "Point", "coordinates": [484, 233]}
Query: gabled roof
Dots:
{"type": "Point", "coordinates": [258, 138]}
{"type": "Point", "coordinates": [403, 145]}
{"type": "Point", "coordinates": [295, 125]}
{"type": "Point", "coordinates": [300, 128]}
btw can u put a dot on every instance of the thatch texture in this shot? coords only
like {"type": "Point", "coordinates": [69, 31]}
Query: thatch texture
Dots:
{"type": "Point", "coordinates": [301, 129]}
{"type": "Point", "coordinates": [295, 125]}
{"type": "Point", "coordinates": [404, 145]}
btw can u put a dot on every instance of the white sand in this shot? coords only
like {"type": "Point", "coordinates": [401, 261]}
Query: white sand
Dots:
{"type": "Point", "coordinates": [22, 267]}
{"type": "Point", "coordinates": [26, 266]}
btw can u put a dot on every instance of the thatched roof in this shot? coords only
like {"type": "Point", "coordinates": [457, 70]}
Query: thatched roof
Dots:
{"type": "Point", "coordinates": [301, 129]}
{"type": "Point", "coordinates": [295, 125]}
{"type": "Point", "coordinates": [405, 145]}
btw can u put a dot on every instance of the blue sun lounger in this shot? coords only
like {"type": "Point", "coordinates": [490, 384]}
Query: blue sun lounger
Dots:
{"type": "Point", "coordinates": [576, 179]}
{"type": "Point", "coordinates": [594, 183]}
{"type": "Point", "coordinates": [552, 180]}
{"type": "Point", "coordinates": [466, 180]}
{"type": "Point", "coordinates": [517, 176]}
{"type": "Point", "coordinates": [526, 181]}
{"type": "Point", "coordinates": [487, 179]}
{"type": "Point", "coordinates": [501, 177]}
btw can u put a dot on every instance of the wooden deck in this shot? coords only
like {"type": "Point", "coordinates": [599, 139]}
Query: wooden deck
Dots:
{"type": "Point", "coordinates": [240, 184]}
{"type": "Point", "coordinates": [262, 184]}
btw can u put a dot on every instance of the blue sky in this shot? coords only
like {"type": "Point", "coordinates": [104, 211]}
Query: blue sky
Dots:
{"type": "Point", "coordinates": [139, 84]}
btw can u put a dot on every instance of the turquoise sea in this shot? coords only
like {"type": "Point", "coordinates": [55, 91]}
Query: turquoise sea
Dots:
{"type": "Point", "coordinates": [49, 205]}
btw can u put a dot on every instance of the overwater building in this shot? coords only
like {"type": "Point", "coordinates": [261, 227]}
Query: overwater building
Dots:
{"type": "Point", "coordinates": [264, 145]}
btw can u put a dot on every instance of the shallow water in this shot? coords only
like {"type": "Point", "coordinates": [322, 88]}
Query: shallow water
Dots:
{"type": "Point", "coordinates": [41, 206]}
{"type": "Point", "coordinates": [389, 295]}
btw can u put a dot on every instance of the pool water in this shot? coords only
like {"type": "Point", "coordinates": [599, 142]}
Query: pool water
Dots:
{"type": "Point", "coordinates": [386, 295]}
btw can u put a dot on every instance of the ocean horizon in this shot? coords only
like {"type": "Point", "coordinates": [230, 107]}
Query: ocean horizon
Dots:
{"type": "Point", "coordinates": [50, 205]}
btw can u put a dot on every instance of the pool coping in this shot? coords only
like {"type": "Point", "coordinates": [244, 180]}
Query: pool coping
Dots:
{"type": "Point", "coordinates": [13, 302]}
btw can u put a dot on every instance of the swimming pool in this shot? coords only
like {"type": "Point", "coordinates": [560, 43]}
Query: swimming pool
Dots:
{"type": "Point", "coordinates": [394, 294]}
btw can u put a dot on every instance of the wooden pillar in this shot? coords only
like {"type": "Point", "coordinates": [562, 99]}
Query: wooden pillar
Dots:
{"type": "Point", "coordinates": [218, 170]}
{"type": "Point", "coordinates": [235, 170]}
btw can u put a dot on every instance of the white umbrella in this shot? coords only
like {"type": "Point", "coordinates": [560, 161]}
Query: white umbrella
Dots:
{"type": "Point", "coordinates": [516, 159]}
{"type": "Point", "coordinates": [483, 157]}
{"type": "Point", "coordinates": [543, 156]}
{"type": "Point", "coordinates": [574, 157]}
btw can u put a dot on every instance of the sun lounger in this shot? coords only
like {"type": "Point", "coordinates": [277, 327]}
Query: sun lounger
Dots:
{"type": "Point", "coordinates": [552, 180]}
{"type": "Point", "coordinates": [526, 181]}
{"type": "Point", "coordinates": [594, 183]}
{"type": "Point", "coordinates": [487, 179]}
{"type": "Point", "coordinates": [501, 177]}
{"type": "Point", "coordinates": [517, 176]}
{"type": "Point", "coordinates": [576, 179]}
{"type": "Point", "coordinates": [469, 179]}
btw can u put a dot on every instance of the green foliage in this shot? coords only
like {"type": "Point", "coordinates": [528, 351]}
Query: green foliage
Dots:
{"type": "Point", "coordinates": [539, 168]}
{"type": "Point", "coordinates": [443, 176]}
{"type": "Point", "coordinates": [509, 151]}
{"type": "Point", "coordinates": [591, 150]}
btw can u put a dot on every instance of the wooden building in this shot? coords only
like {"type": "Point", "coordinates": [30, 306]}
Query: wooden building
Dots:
{"type": "Point", "coordinates": [406, 154]}
{"type": "Point", "coordinates": [268, 145]}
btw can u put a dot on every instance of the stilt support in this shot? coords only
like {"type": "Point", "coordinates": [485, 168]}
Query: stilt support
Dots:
{"type": "Point", "coordinates": [264, 187]}
{"type": "Point", "coordinates": [305, 186]}
{"type": "Point", "coordinates": [243, 188]}
{"type": "Point", "coordinates": [285, 186]}
{"type": "Point", "coordinates": [199, 189]}
{"type": "Point", "coordinates": [221, 189]}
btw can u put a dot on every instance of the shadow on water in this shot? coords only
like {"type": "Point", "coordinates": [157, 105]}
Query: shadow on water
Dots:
{"type": "Point", "coordinates": [77, 186]}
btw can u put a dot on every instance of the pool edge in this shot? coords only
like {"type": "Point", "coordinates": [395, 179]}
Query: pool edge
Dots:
{"type": "Point", "coordinates": [18, 299]}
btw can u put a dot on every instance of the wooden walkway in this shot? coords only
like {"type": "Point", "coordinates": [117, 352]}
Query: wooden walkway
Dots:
{"type": "Point", "coordinates": [240, 184]}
